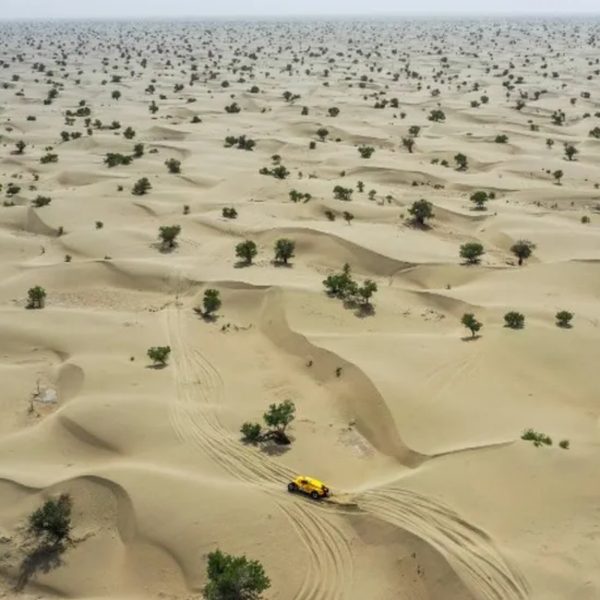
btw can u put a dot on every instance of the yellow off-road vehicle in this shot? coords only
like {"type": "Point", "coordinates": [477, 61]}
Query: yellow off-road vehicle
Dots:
{"type": "Point", "coordinates": [313, 487]}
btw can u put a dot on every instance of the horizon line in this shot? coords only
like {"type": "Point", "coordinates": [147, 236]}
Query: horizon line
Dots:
{"type": "Point", "coordinates": [278, 16]}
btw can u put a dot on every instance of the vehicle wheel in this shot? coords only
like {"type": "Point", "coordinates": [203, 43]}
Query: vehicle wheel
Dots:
{"type": "Point", "coordinates": [314, 495]}
{"type": "Point", "coordinates": [292, 487]}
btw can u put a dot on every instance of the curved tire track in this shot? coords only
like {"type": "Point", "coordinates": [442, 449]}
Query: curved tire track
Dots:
{"type": "Point", "coordinates": [200, 386]}
{"type": "Point", "coordinates": [468, 549]}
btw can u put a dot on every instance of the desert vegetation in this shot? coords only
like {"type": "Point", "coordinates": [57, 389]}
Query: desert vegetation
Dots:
{"type": "Point", "coordinates": [369, 248]}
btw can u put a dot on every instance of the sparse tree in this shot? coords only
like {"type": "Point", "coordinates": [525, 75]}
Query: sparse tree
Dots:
{"type": "Point", "coordinates": [251, 432]}
{"type": "Point", "coordinates": [159, 354]}
{"type": "Point", "coordinates": [51, 523]}
{"type": "Point", "coordinates": [514, 320]}
{"type": "Point", "coordinates": [342, 193]}
{"type": "Point", "coordinates": [168, 235]}
{"type": "Point", "coordinates": [279, 416]}
{"type": "Point", "coordinates": [246, 250]}
{"type": "Point", "coordinates": [284, 250]}
{"type": "Point", "coordinates": [408, 143]}
{"type": "Point", "coordinates": [570, 151]}
{"type": "Point", "coordinates": [229, 212]}
{"type": "Point", "coordinates": [471, 323]}
{"type": "Point", "coordinates": [437, 115]}
{"type": "Point", "coordinates": [479, 199]}
{"type": "Point", "coordinates": [234, 578]}
{"type": "Point", "coordinates": [421, 210]}
{"type": "Point", "coordinates": [322, 133]}
{"type": "Point", "coordinates": [173, 165]}
{"type": "Point", "coordinates": [36, 297]}
{"type": "Point", "coordinates": [461, 161]}
{"type": "Point", "coordinates": [366, 291]}
{"type": "Point", "coordinates": [366, 151]}
{"type": "Point", "coordinates": [141, 187]}
{"type": "Point", "coordinates": [41, 201]}
{"type": "Point", "coordinates": [471, 252]}
{"type": "Point", "coordinates": [211, 301]}
{"type": "Point", "coordinates": [522, 250]}
{"type": "Point", "coordinates": [564, 318]}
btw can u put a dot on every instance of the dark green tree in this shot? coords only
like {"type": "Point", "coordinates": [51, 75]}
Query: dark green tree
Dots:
{"type": "Point", "coordinates": [284, 250]}
{"type": "Point", "coordinates": [564, 318]}
{"type": "Point", "coordinates": [421, 210]}
{"type": "Point", "coordinates": [522, 250]}
{"type": "Point", "coordinates": [472, 252]}
{"type": "Point", "coordinates": [159, 354]}
{"type": "Point", "coordinates": [173, 165]}
{"type": "Point", "coordinates": [322, 133]}
{"type": "Point", "coordinates": [479, 199]}
{"type": "Point", "coordinates": [279, 416]}
{"type": "Point", "coordinates": [461, 161]}
{"type": "Point", "coordinates": [234, 578]}
{"type": "Point", "coordinates": [246, 250]}
{"type": "Point", "coordinates": [471, 323]}
{"type": "Point", "coordinates": [141, 187]}
{"type": "Point", "coordinates": [51, 523]}
{"type": "Point", "coordinates": [570, 151]}
{"type": "Point", "coordinates": [211, 301]}
{"type": "Point", "coordinates": [251, 432]}
{"type": "Point", "coordinates": [514, 320]}
{"type": "Point", "coordinates": [36, 297]}
{"type": "Point", "coordinates": [168, 235]}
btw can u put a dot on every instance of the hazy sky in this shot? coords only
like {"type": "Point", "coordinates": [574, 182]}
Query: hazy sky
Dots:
{"type": "Point", "coordinates": [178, 8]}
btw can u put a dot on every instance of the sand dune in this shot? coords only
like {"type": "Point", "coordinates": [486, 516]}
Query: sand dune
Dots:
{"type": "Point", "coordinates": [413, 422]}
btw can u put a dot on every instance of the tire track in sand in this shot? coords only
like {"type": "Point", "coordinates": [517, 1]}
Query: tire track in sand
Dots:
{"type": "Point", "coordinates": [193, 418]}
{"type": "Point", "coordinates": [469, 550]}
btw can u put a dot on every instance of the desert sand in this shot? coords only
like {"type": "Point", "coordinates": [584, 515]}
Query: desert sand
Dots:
{"type": "Point", "coordinates": [413, 423]}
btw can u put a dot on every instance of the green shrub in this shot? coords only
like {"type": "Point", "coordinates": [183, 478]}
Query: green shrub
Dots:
{"type": "Point", "coordinates": [537, 438]}
{"type": "Point", "coordinates": [284, 250]}
{"type": "Point", "coordinates": [52, 522]}
{"type": "Point", "coordinates": [229, 213]}
{"type": "Point", "coordinates": [366, 151]}
{"type": "Point", "coordinates": [251, 432]}
{"type": "Point", "coordinates": [471, 323]}
{"type": "Point", "coordinates": [421, 210]}
{"type": "Point", "coordinates": [234, 578]}
{"type": "Point", "coordinates": [159, 354]}
{"type": "Point", "coordinates": [167, 235]}
{"type": "Point", "coordinates": [564, 318]}
{"type": "Point", "coordinates": [471, 252]}
{"type": "Point", "coordinates": [173, 165]}
{"type": "Point", "coordinates": [522, 250]}
{"type": "Point", "coordinates": [479, 199]}
{"type": "Point", "coordinates": [41, 201]}
{"type": "Point", "coordinates": [514, 320]}
{"type": "Point", "coordinates": [49, 158]}
{"type": "Point", "coordinates": [437, 115]}
{"type": "Point", "coordinates": [342, 193]}
{"type": "Point", "coordinates": [114, 159]}
{"type": "Point", "coordinates": [141, 187]}
{"type": "Point", "coordinates": [36, 297]}
{"type": "Point", "coordinates": [211, 301]}
{"type": "Point", "coordinates": [279, 416]}
{"type": "Point", "coordinates": [246, 250]}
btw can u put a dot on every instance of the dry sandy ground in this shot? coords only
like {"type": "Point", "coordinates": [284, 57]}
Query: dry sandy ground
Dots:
{"type": "Point", "coordinates": [436, 497]}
